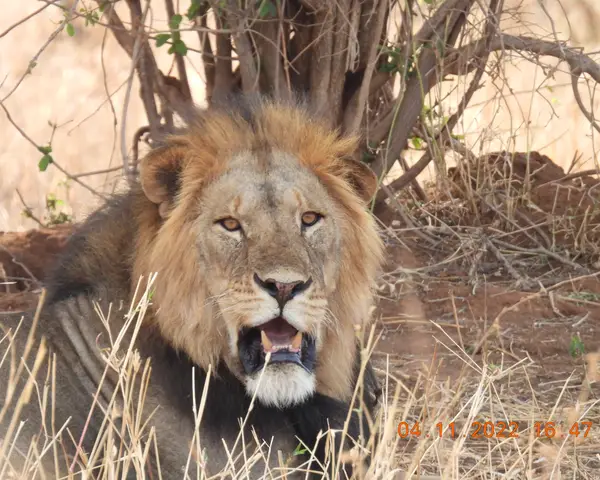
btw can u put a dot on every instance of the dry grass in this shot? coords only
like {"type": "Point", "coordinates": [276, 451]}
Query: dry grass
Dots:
{"type": "Point", "coordinates": [465, 383]}
{"type": "Point", "coordinates": [477, 391]}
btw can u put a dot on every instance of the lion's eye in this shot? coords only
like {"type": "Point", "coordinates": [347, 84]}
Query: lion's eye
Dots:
{"type": "Point", "coordinates": [310, 218]}
{"type": "Point", "coordinates": [230, 224]}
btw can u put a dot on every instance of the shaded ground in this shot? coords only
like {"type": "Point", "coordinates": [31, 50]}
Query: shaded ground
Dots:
{"type": "Point", "coordinates": [489, 311]}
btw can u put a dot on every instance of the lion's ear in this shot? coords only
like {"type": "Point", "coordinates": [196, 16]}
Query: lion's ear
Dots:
{"type": "Point", "coordinates": [362, 179]}
{"type": "Point", "coordinates": [160, 172]}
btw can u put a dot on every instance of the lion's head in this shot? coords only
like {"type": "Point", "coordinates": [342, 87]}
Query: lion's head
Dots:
{"type": "Point", "coordinates": [259, 232]}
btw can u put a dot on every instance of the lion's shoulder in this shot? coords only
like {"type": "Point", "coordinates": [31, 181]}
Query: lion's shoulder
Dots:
{"type": "Point", "coordinates": [98, 255]}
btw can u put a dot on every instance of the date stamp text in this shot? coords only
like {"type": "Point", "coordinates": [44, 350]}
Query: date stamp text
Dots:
{"type": "Point", "coordinates": [500, 429]}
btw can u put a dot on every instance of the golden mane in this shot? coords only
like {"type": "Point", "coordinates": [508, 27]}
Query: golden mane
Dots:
{"type": "Point", "coordinates": [184, 310]}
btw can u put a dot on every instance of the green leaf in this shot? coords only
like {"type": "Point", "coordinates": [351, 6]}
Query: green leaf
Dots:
{"type": "Point", "coordinates": [175, 21]}
{"type": "Point", "coordinates": [45, 150]}
{"type": "Point", "coordinates": [299, 450]}
{"type": "Point", "coordinates": [417, 142]}
{"type": "Point", "coordinates": [91, 18]}
{"type": "Point", "coordinates": [194, 9]}
{"type": "Point", "coordinates": [181, 48]}
{"type": "Point", "coordinates": [576, 347]}
{"type": "Point", "coordinates": [44, 162]}
{"type": "Point", "coordinates": [267, 9]}
{"type": "Point", "coordinates": [70, 29]}
{"type": "Point", "coordinates": [388, 67]}
{"type": "Point", "coordinates": [178, 47]}
{"type": "Point", "coordinates": [162, 38]}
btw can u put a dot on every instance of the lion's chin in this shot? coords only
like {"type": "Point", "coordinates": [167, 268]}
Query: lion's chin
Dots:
{"type": "Point", "coordinates": [282, 385]}
{"type": "Point", "coordinates": [288, 377]}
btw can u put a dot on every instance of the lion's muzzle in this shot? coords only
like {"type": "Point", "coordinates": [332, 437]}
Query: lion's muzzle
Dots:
{"type": "Point", "coordinates": [284, 342]}
{"type": "Point", "coordinates": [282, 291]}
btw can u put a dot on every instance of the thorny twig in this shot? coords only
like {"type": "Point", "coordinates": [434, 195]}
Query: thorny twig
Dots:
{"type": "Point", "coordinates": [24, 19]}
{"type": "Point", "coordinates": [521, 281]}
{"type": "Point", "coordinates": [20, 264]}
{"type": "Point", "coordinates": [33, 61]}
{"type": "Point", "coordinates": [28, 211]}
{"type": "Point", "coordinates": [36, 146]}
{"type": "Point", "coordinates": [135, 56]}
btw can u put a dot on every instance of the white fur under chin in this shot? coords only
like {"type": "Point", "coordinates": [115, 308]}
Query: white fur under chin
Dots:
{"type": "Point", "coordinates": [281, 385]}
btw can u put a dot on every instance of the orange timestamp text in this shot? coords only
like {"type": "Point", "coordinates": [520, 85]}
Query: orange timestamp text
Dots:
{"type": "Point", "coordinates": [495, 430]}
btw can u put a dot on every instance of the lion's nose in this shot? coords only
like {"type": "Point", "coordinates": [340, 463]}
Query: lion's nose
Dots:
{"type": "Point", "coordinates": [283, 292]}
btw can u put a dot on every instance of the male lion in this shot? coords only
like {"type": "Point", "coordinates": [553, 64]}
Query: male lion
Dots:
{"type": "Point", "coordinates": [255, 220]}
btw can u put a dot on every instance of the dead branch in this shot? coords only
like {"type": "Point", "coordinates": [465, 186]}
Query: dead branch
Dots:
{"type": "Point", "coordinates": [248, 67]}
{"type": "Point", "coordinates": [407, 177]}
{"type": "Point", "coordinates": [152, 80]}
{"type": "Point", "coordinates": [97, 172]}
{"type": "Point", "coordinates": [269, 51]}
{"type": "Point", "coordinates": [578, 62]}
{"type": "Point", "coordinates": [339, 60]}
{"type": "Point", "coordinates": [17, 262]}
{"type": "Point", "coordinates": [356, 107]}
{"type": "Point", "coordinates": [35, 58]}
{"type": "Point", "coordinates": [28, 211]}
{"type": "Point", "coordinates": [224, 78]}
{"type": "Point", "coordinates": [185, 87]}
{"type": "Point", "coordinates": [147, 93]}
{"type": "Point", "coordinates": [24, 19]}
{"type": "Point", "coordinates": [37, 147]}
{"type": "Point", "coordinates": [320, 68]}
{"type": "Point", "coordinates": [521, 280]}
{"type": "Point", "coordinates": [208, 59]}
{"type": "Point", "coordinates": [444, 28]}
{"type": "Point", "coordinates": [299, 47]}
{"type": "Point", "coordinates": [120, 32]}
{"type": "Point", "coordinates": [586, 113]}
{"type": "Point", "coordinates": [491, 26]}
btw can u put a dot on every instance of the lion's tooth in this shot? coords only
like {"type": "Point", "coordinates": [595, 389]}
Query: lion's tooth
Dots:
{"type": "Point", "coordinates": [297, 341]}
{"type": "Point", "coordinates": [267, 344]}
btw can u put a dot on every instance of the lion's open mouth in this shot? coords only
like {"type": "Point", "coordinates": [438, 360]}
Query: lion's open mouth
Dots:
{"type": "Point", "coordinates": [285, 343]}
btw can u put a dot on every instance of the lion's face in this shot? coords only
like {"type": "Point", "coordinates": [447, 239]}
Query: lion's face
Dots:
{"type": "Point", "coordinates": [264, 249]}
{"type": "Point", "coordinates": [269, 239]}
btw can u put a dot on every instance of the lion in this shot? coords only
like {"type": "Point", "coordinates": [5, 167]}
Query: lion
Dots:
{"type": "Point", "coordinates": [255, 220]}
